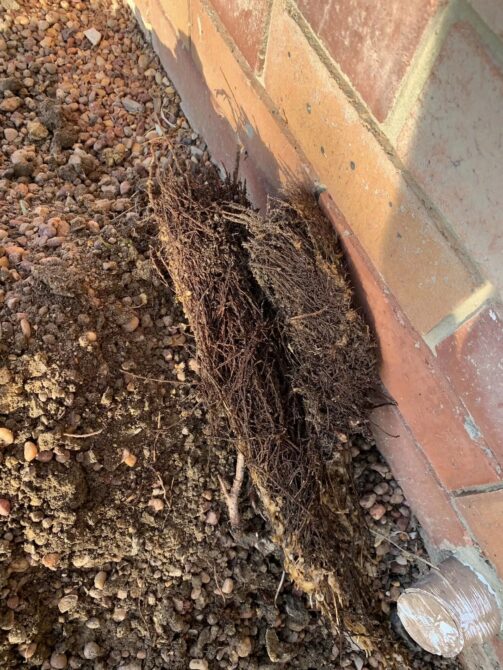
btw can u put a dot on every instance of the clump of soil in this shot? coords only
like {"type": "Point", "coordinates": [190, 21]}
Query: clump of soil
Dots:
{"type": "Point", "coordinates": [115, 546]}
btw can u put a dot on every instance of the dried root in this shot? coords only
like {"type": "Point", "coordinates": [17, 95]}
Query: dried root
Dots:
{"type": "Point", "coordinates": [232, 497]}
{"type": "Point", "coordinates": [287, 363]}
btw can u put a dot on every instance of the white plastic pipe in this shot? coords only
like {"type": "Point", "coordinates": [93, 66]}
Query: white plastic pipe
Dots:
{"type": "Point", "coordinates": [449, 610]}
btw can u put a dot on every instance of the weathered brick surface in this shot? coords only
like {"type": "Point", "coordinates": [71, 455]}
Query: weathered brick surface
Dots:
{"type": "Point", "coordinates": [452, 144]}
{"type": "Point", "coordinates": [473, 360]}
{"type": "Point", "coordinates": [484, 514]}
{"type": "Point", "coordinates": [268, 158]}
{"type": "Point", "coordinates": [246, 21]}
{"type": "Point", "coordinates": [178, 11]}
{"type": "Point", "coordinates": [411, 375]}
{"type": "Point", "coordinates": [169, 21]}
{"type": "Point", "coordinates": [491, 12]}
{"type": "Point", "coordinates": [197, 102]}
{"type": "Point", "coordinates": [423, 491]}
{"type": "Point", "coordinates": [373, 42]}
{"type": "Point", "coordinates": [417, 263]}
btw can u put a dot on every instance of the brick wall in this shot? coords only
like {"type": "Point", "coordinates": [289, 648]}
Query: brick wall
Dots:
{"type": "Point", "coordinates": [399, 116]}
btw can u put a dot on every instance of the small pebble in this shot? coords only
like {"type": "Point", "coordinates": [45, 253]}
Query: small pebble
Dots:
{"type": "Point", "coordinates": [93, 623]}
{"type": "Point", "coordinates": [45, 456]}
{"type": "Point", "coordinates": [131, 324]}
{"type": "Point", "coordinates": [244, 647]}
{"type": "Point", "coordinates": [6, 436]}
{"type": "Point", "coordinates": [228, 586]}
{"type": "Point", "coordinates": [119, 614]}
{"type": "Point", "coordinates": [51, 560]}
{"type": "Point", "coordinates": [198, 664]}
{"type": "Point", "coordinates": [27, 651]}
{"type": "Point", "coordinates": [128, 458]}
{"type": "Point", "coordinates": [25, 328]}
{"type": "Point", "coordinates": [5, 507]}
{"type": "Point", "coordinates": [212, 518]}
{"type": "Point", "coordinates": [58, 661]}
{"type": "Point", "coordinates": [87, 338]}
{"type": "Point", "coordinates": [68, 603]}
{"type": "Point", "coordinates": [377, 511]}
{"type": "Point", "coordinates": [93, 35]}
{"type": "Point", "coordinates": [30, 451]}
{"type": "Point", "coordinates": [13, 602]}
{"type": "Point", "coordinates": [100, 580]}
{"type": "Point", "coordinates": [368, 500]}
{"type": "Point", "coordinates": [156, 504]}
{"type": "Point", "coordinates": [92, 650]}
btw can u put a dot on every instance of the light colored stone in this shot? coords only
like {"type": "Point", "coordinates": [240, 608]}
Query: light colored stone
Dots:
{"type": "Point", "coordinates": [68, 603]}
{"type": "Point", "coordinates": [30, 450]}
{"type": "Point", "coordinates": [10, 134]}
{"type": "Point", "coordinates": [132, 106]}
{"type": "Point", "coordinates": [100, 580]}
{"type": "Point", "coordinates": [37, 131]}
{"type": "Point", "coordinates": [198, 664]}
{"type": "Point", "coordinates": [228, 586]}
{"type": "Point", "coordinates": [244, 647]}
{"type": "Point", "coordinates": [10, 104]}
{"type": "Point", "coordinates": [6, 436]}
{"type": "Point", "coordinates": [93, 35]}
{"type": "Point", "coordinates": [92, 650]}
{"type": "Point", "coordinates": [51, 560]}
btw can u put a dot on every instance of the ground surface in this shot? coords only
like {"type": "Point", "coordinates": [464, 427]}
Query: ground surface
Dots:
{"type": "Point", "coordinates": [114, 540]}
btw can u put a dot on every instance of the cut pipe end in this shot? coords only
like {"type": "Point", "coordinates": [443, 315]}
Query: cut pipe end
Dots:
{"type": "Point", "coordinates": [430, 624]}
{"type": "Point", "coordinates": [449, 610]}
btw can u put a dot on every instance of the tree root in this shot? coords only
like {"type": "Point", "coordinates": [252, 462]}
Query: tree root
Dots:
{"type": "Point", "coordinates": [232, 497]}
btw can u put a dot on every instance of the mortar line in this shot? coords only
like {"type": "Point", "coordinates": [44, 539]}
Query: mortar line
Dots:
{"type": "Point", "coordinates": [464, 311]}
{"type": "Point", "coordinates": [262, 54]}
{"type": "Point", "coordinates": [341, 79]}
{"type": "Point", "coordinates": [491, 41]}
{"type": "Point", "coordinates": [477, 490]}
{"type": "Point", "coordinates": [438, 219]}
{"type": "Point", "coordinates": [427, 53]}
{"type": "Point", "coordinates": [420, 69]}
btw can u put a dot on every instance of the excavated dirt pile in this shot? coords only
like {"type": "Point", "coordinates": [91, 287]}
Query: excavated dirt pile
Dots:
{"type": "Point", "coordinates": [115, 544]}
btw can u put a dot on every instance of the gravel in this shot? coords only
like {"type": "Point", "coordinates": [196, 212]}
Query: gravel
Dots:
{"type": "Point", "coordinates": [114, 540]}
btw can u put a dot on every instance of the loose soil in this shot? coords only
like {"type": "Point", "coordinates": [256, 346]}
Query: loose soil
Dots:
{"type": "Point", "coordinates": [114, 539]}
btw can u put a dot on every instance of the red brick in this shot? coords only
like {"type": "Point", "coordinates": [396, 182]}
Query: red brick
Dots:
{"type": "Point", "coordinates": [428, 500]}
{"type": "Point", "coordinates": [463, 98]}
{"type": "Point", "coordinates": [246, 22]}
{"type": "Point", "coordinates": [373, 42]}
{"type": "Point", "coordinates": [412, 376]}
{"type": "Point", "coordinates": [269, 158]}
{"type": "Point", "coordinates": [198, 103]}
{"type": "Point", "coordinates": [484, 514]}
{"type": "Point", "coordinates": [196, 98]}
{"type": "Point", "coordinates": [418, 264]}
{"type": "Point", "coordinates": [178, 13]}
{"type": "Point", "coordinates": [473, 360]}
